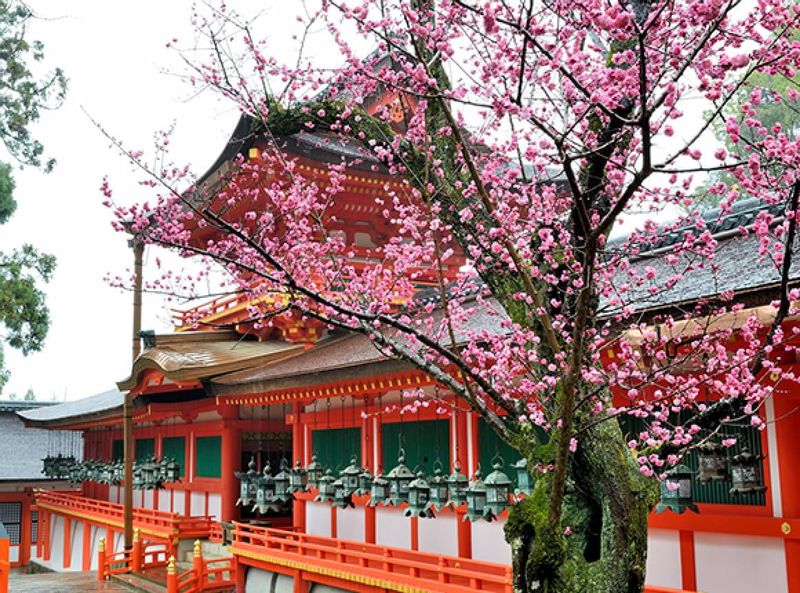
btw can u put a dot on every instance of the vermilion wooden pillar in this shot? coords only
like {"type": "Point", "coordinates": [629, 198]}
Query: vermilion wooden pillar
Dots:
{"type": "Point", "coordinates": [231, 460]}
{"type": "Point", "coordinates": [787, 427]}
{"type": "Point", "coordinates": [298, 454]}
{"type": "Point", "coordinates": [25, 531]}
{"type": "Point", "coordinates": [67, 542]}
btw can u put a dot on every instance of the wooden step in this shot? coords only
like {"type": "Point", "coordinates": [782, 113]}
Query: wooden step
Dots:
{"type": "Point", "coordinates": [137, 582]}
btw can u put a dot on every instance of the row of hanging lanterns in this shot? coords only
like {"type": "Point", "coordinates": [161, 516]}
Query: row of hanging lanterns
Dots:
{"type": "Point", "coordinates": [147, 474]}
{"type": "Point", "coordinates": [485, 499]}
{"type": "Point", "coordinates": [745, 474]}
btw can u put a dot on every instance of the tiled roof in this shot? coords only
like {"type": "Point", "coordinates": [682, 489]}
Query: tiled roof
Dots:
{"type": "Point", "coordinates": [23, 448]}
{"type": "Point", "coordinates": [353, 354]}
{"type": "Point", "coordinates": [736, 266]}
{"type": "Point", "coordinates": [92, 405]}
{"type": "Point", "coordinates": [16, 405]}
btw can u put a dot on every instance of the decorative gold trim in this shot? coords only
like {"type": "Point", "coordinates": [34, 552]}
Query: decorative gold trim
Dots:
{"type": "Point", "coordinates": [329, 572]}
{"type": "Point", "coordinates": [786, 529]}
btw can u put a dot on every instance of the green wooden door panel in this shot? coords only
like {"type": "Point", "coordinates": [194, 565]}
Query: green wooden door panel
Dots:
{"type": "Point", "coordinates": [424, 442]}
{"type": "Point", "coordinates": [144, 448]}
{"type": "Point", "coordinates": [208, 457]}
{"type": "Point", "coordinates": [175, 448]}
{"type": "Point", "coordinates": [714, 491]}
{"type": "Point", "coordinates": [336, 446]}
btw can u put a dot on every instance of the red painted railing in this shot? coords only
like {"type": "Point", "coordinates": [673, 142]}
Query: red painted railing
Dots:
{"type": "Point", "coordinates": [381, 567]}
{"type": "Point", "coordinates": [152, 523]}
{"type": "Point", "coordinates": [369, 563]}
{"type": "Point", "coordinates": [205, 575]}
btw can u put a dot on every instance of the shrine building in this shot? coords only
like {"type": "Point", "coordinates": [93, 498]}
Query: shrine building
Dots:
{"type": "Point", "coordinates": [301, 426]}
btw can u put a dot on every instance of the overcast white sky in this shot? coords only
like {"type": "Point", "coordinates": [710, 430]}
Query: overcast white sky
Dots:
{"type": "Point", "coordinates": [115, 55]}
{"type": "Point", "coordinates": [116, 58]}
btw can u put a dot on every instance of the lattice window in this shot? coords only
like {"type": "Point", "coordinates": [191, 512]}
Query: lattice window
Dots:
{"type": "Point", "coordinates": [11, 518]}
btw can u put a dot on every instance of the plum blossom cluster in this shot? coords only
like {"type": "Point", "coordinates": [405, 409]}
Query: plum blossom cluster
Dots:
{"type": "Point", "coordinates": [513, 136]}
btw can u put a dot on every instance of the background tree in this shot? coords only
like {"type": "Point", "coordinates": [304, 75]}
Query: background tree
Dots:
{"type": "Point", "coordinates": [530, 128]}
{"type": "Point", "coordinates": [22, 97]}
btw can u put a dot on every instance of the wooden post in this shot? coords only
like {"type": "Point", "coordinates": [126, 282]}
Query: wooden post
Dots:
{"type": "Point", "coordinates": [172, 576]}
{"type": "Point", "coordinates": [240, 574]}
{"type": "Point", "coordinates": [231, 462]}
{"type": "Point", "coordinates": [197, 563]}
{"type": "Point", "coordinates": [67, 548]}
{"type": "Point", "coordinates": [5, 565]}
{"type": "Point", "coordinates": [101, 559]}
{"type": "Point", "coordinates": [136, 551]}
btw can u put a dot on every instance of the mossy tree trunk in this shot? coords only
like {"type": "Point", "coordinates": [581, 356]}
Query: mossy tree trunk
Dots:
{"type": "Point", "coordinates": [601, 543]}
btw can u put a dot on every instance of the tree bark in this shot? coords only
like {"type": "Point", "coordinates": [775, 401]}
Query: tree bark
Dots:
{"type": "Point", "coordinates": [602, 543]}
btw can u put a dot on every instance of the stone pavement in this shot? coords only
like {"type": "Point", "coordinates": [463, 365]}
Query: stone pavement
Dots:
{"type": "Point", "coordinates": [64, 582]}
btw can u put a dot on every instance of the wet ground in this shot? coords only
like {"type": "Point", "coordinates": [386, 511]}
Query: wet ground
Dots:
{"type": "Point", "coordinates": [70, 582]}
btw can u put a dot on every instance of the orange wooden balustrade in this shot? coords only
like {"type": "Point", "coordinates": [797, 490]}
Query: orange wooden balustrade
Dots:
{"type": "Point", "coordinates": [394, 569]}
{"type": "Point", "coordinates": [205, 575]}
{"type": "Point", "coordinates": [391, 569]}
{"type": "Point", "coordinates": [185, 317]}
{"type": "Point", "coordinates": [157, 524]}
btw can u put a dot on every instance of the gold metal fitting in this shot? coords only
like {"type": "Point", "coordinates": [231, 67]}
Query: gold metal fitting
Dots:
{"type": "Point", "coordinates": [786, 529]}
{"type": "Point", "coordinates": [171, 565]}
{"type": "Point", "coordinates": [197, 549]}
{"type": "Point", "coordinates": [101, 545]}
{"type": "Point", "coordinates": [137, 533]}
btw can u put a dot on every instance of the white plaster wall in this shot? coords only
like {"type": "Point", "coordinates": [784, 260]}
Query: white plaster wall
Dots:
{"type": "Point", "coordinates": [198, 503]}
{"type": "Point", "coordinates": [664, 558]}
{"type": "Point", "coordinates": [148, 498]}
{"type": "Point", "coordinates": [259, 581]}
{"type": "Point", "coordinates": [13, 554]}
{"type": "Point", "coordinates": [489, 543]}
{"type": "Point", "coordinates": [318, 518]}
{"type": "Point", "coordinates": [350, 524]}
{"type": "Point", "coordinates": [56, 542]}
{"type": "Point", "coordinates": [179, 502]}
{"type": "Point", "coordinates": [119, 542]}
{"type": "Point", "coordinates": [76, 556]}
{"type": "Point", "coordinates": [751, 563]}
{"type": "Point", "coordinates": [165, 501]}
{"type": "Point", "coordinates": [439, 535]}
{"type": "Point", "coordinates": [215, 504]}
{"type": "Point", "coordinates": [113, 493]}
{"type": "Point", "coordinates": [96, 535]}
{"type": "Point", "coordinates": [392, 528]}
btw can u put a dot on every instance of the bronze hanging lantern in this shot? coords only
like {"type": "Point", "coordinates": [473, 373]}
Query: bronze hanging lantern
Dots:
{"type": "Point", "coordinates": [282, 481]}
{"type": "Point", "coordinates": [173, 472]}
{"type": "Point", "coordinates": [298, 479]}
{"type": "Point", "coordinates": [326, 488]}
{"type": "Point", "coordinates": [265, 492]}
{"type": "Point", "coordinates": [676, 491]}
{"type": "Point", "coordinates": [138, 479]}
{"type": "Point", "coordinates": [747, 474]}
{"type": "Point", "coordinates": [350, 477]}
{"type": "Point", "coordinates": [712, 461]}
{"type": "Point", "coordinates": [476, 500]}
{"type": "Point", "coordinates": [364, 482]}
{"type": "Point", "coordinates": [457, 484]}
{"type": "Point", "coordinates": [418, 497]}
{"type": "Point", "coordinates": [399, 481]}
{"type": "Point", "coordinates": [498, 487]}
{"type": "Point", "coordinates": [437, 498]}
{"type": "Point", "coordinates": [379, 491]}
{"type": "Point", "coordinates": [315, 471]}
{"type": "Point", "coordinates": [341, 497]}
{"type": "Point", "coordinates": [524, 479]}
{"type": "Point", "coordinates": [248, 484]}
